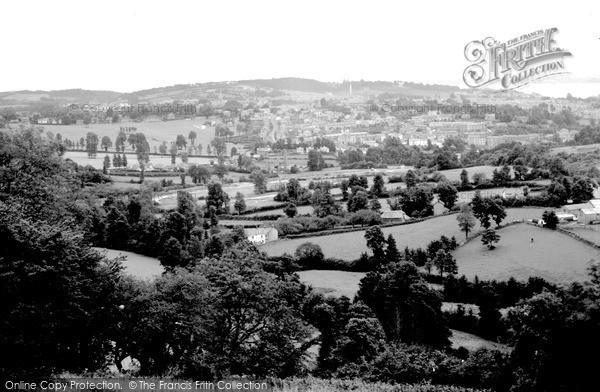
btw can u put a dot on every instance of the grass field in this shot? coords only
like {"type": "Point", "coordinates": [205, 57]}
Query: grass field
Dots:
{"type": "Point", "coordinates": [576, 149]}
{"type": "Point", "coordinates": [588, 232]}
{"type": "Point", "coordinates": [156, 132]}
{"type": "Point", "coordinates": [349, 246]}
{"type": "Point", "coordinates": [81, 158]}
{"type": "Point", "coordinates": [473, 342]}
{"type": "Point", "coordinates": [553, 256]}
{"type": "Point", "coordinates": [333, 282]}
{"type": "Point", "coordinates": [139, 266]}
{"type": "Point", "coordinates": [454, 174]}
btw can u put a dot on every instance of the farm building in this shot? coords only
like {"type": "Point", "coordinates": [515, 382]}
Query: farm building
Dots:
{"type": "Point", "coordinates": [586, 213]}
{"type": "Point", "coordinates": [589, 215]}
{"type": "Point", "coordinates": [394, 216]}
{"type": "Point", "coordinates": [261, 235]}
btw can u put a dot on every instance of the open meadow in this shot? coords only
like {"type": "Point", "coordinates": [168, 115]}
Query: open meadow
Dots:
{"type": "Point", "coordinates": [454, 174]}
{"type": "Point", "coordinates": [136, 265]}
{"type": "Point", "coordinates": [81, 158]}
{"type": "Point", "coordinates": [332, 282]}
{"type": "Point", "coordinates": [156, 132]}
{"type": "Point", "coordinates": [553, 256]}
{"type": "Point", "coordinates": [349, 246]}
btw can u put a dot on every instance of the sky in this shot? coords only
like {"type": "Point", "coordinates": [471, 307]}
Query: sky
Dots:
{"type": "Point", "coordinates": [132, 45]}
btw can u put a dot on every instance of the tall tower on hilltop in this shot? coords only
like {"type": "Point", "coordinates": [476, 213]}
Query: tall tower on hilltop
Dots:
{"type": "Point", "coordinates": [350, 89]}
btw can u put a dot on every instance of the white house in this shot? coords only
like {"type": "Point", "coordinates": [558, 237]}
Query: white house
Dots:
{"type": "Point", "coordinates": [261, 235]}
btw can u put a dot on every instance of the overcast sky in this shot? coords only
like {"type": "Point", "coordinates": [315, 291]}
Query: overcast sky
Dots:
{"type": "Point", "coordinates": [132, 45]}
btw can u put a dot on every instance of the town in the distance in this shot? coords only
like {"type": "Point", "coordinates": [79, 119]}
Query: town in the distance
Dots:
{"type": "Point", "coordinates": [322, 235]}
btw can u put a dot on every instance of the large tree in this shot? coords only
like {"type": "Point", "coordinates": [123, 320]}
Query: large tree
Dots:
{"type": "Point", "coordinates": [91, 144]}
{"type": "Point", "coordinates": [409, 311]}
{"type": "Point", "coordinates": [465, 218]}
{"type": "Point", "coordinates": [106, 143]}
{"type": "Point", "coordinates": [447, 194]}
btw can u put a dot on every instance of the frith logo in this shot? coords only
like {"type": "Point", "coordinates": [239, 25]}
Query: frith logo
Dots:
{"type": "Point", "coordinates": [516, 62]}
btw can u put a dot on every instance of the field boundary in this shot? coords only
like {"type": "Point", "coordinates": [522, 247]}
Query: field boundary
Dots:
{"type": "Point", "coordinates": [362, 228]}
{"type": "Point", "coordinates": [578, 238]}
{"type": "Point", "coordinates": [480, 232]}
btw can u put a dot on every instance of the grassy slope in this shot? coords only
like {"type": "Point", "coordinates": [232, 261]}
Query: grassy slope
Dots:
{"type": "Point", "coordinates": [552, 256]}
{"type": "Point", "coordinates": [349, 246]}
{"type": "Point", "coordinates": [137, 265]}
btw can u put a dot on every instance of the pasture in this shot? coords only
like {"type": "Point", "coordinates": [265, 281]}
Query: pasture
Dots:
{"type": "Point", "coordinates": [156, 132]}
{"type": "Point", "coordinates": [576, 149]}
{"type": "Point", "coordinates": [81, 158]}
{"type": "Point", "coordinates": [588, 232]}
{"type": "Point", "coordinates": [553, 256]}
{"type": "Point", "coordinates": [332, 282]}
{"type": "Point", "coordinates": [454, 174]}
{"type": "Point", "coordinates": [349, 246]}
{"type": "Point", "coordinates": [136, 265]}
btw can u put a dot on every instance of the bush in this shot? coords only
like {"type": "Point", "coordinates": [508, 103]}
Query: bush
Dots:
{"type": "Point", "coordinates": [309, 255]}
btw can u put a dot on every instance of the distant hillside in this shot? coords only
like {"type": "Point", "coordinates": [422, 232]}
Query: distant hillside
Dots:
{"type": "Point", "coordinates": [73, 95]}
{"type": "Point", "coordinates": [200, 91]}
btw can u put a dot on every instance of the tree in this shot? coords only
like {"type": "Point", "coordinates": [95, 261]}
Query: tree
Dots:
{"type": "Point", "coordinates": [174, 151]}
{"type": "Point", "coordinates": [180, 142]}
{"type": "Point", "coordinates": [550, 220]}
{"type": "Point", "coordinates": [172, 255]}
{"type": "Point", "coordinates": [324, 204]}
{"type": "Point", "coordinates": [290, 210]}
{"type": "Point", "coordinates": [479, 178]}
{"type": "Point", "coordinates": [309, 255]}
{"type": "Point", "coordinates": [217, 198]}
{"type": "Point", "coordinates": [199, 173]}
{"type": "Point", "coordinates": [392, 254]}
{"type": "Point", "coordinates": [220, 171]}
{"type": "Point", "coordinates": [445, 262]}
{"type": "Point", "coordinates": [91, 144]}
{"type": "Point", "coordinates": [162, 149]}
{"type": "Point", "coordinates": [120, 141]}
{"type": "Point", "coordinates": [220, 148]}
{"type": "Point", "coordinates": [240, 203]}
{"type": "Point", "coordinates": [464, 179]}
{"type": "Point", "coordinates": [106, 164]}
{"type": "Point", "coordinates": [106, 143]}
{"type": "Point", "coordinates": [116, 229]}
{"type": "Point", "coordinates": [316, 161]}
{"type": "Point", "coordinates": [489, 238]}
{"type": "Point", "coordinates": [358, 201]}
{"type": "Point", "coordinates": [192, 136]}
{"type": "Point", "coordinates": [52, 316]}
{"type": "Point", "coordinates": [486, 209]}
{"type": "Point", "coordinates": [447, 194]}
{"type": "Point", "coordinates": [116, 161]}
{"type": "Point", "coordinates": [416, 201]}
{"type": "Point", "coordinates": [378, 188]}
{"type": "Point", "coordinates": [376, 243]}
{"type": "Point", "coordinates": [408, 310]}
{"type": "Point", "coordinates": [410, 179]}
{"type": "Point", "coordinates": [186, 206]}
{"type": "Point", "coordinates": [465, 218]}
{"type": "Point", "coordinates": [124, 160]}
{"type": "Point", "coordinates": [260, 182]}
{"type": "Point", "coordinates": [375, 205]}
{"type": "Point", "coordinates": [582, 190]}
{"type": "Point", "coordinates": [142, 151]}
